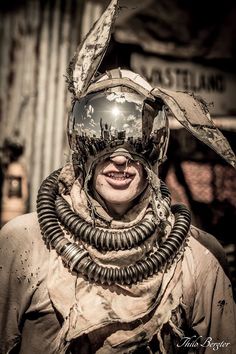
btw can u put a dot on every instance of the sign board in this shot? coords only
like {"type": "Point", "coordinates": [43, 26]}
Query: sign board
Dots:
{"type": "Point", "coordinates": [216, 87]}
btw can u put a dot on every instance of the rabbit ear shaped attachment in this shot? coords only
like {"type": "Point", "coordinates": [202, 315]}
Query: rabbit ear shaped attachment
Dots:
{"type": "Point", "coordinates": [193, 114]}
{"type": "Point", "coordinates": [89, 54]}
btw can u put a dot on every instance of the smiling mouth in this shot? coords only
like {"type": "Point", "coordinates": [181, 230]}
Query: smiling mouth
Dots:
{"type": "Point", "coordinates": [119, 179]}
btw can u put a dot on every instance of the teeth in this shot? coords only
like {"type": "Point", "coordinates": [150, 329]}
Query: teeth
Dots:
{"type": "Point", "coordinates": [118, 175]}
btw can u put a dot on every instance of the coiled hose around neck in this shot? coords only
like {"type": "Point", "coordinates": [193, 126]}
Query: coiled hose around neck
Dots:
{"type": "Point", "coordinates": [79, 260]}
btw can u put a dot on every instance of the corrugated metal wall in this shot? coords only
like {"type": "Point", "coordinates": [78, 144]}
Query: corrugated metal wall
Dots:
{"type": "Point", "coordinates": [37, 40]}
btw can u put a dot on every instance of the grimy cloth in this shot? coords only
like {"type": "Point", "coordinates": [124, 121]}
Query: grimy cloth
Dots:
{"type": "Point", "coordinates": [46, 309]}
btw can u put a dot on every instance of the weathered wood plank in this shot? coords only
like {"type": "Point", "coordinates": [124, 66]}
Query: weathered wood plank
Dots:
{"type": "Point", "coordinates": [15, 98]}
{"type": "Point", "coordinates": [39, 140]}
{"type": "Point", "coordinates": [4, 71]}
{"type": "Point", "coordinates": [32, 18]}
{"type": "Point", "coordinates": [61, 116]}
{"type": "Point", "coordinates": [52, 99]}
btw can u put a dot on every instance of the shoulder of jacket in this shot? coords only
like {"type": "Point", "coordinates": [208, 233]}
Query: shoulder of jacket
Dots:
{"type": "Point", "coordinates": [21, 228]}
{"type": "Point", "coordinates": [211, 245]}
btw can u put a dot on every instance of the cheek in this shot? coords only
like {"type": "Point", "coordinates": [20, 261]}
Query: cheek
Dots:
{"type": "Point", "coordinates": [98, 183]}
{"type": "Point", "coordinates": [140, 186]}
{"type": "Point", "coordinates": [101, 187]}
{"type": "Point", "coordinates": [141, 180]}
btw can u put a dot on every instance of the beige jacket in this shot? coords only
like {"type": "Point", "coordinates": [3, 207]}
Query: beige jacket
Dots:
{"type": "Point", "coordinates": [44, 308]}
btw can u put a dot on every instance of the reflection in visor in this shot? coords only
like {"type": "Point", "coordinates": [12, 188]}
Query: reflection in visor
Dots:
{"type": "Point", "coordinates": [101, 122]}
{"type": "Point", "coordinates": [108, 116]}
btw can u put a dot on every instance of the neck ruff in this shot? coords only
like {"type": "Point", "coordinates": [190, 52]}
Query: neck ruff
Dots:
{"type": "Point", "coordinates": [50, 207]}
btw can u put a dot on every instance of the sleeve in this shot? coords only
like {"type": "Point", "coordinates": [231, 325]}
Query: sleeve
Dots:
{"type": "Point", "coordinates": [214, 313]}
{"type": "Point", "coordinates": [15, 293]}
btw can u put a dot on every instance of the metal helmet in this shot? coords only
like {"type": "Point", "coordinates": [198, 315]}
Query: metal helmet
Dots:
{"type": "Point", "coordinates": [118, 114]}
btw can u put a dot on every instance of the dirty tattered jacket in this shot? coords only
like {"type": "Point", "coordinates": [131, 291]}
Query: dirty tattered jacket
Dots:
{"type": "Point", "coordinates": [46, 309]}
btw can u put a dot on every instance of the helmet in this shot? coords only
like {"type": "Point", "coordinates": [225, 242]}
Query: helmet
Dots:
{"type": "Point", "coordinates": [118, 114]}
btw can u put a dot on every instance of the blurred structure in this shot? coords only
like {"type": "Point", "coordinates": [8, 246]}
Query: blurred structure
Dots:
{"type": "Point", "coordinates": [14, 192]}
{"type": "Point", "coordinates": [14, 182]}
{"type": "Point", "coordinates": [38, 39]}
{"type": "Point", "coordinates": [182, 45]}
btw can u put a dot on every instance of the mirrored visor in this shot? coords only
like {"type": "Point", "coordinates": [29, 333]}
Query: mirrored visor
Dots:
{"type": "Point", "coordinates": [108, 116]}
{"type": "Point", "coordinates": [102, 122]}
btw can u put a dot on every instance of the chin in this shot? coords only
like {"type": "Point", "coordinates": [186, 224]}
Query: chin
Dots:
{"type": "Point", "coordinates": [118, 196]}
{"type": "Point", "coordinates": [118, 200]}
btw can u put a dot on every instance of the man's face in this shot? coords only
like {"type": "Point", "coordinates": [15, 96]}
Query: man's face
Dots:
{"type": "Point", "coordinates": [119, 181]}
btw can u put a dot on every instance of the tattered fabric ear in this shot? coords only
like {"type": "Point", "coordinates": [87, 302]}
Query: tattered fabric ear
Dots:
{"type": "Point", "coordinates": [89, 54]}
{"type": "Point", "coordinates": [193, 114]}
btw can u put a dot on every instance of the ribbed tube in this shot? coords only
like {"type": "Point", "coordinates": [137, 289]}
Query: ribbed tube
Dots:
{"type": "Point", "coordinates": [148, 266]}
{"type": "Point", "coordinates": [78, 259]}
{"type": "Point", "coordinates": [165, 192]}
{"type": "Point", "coordinates": [102, 239]}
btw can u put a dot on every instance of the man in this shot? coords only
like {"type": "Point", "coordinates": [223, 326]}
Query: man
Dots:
{"type": "Point", "coordinates": [107, 265]}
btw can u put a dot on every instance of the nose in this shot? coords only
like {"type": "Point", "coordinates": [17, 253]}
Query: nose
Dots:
{"type": "Point", "coordinates": [119, 159]}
